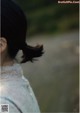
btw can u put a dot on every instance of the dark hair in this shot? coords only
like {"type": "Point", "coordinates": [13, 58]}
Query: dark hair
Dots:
{"type": "Point", "coordinates": [13, 28]}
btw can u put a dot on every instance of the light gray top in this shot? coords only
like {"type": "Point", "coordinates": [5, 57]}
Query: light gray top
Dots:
{"type": "Point", "coordinates": [16, 91]}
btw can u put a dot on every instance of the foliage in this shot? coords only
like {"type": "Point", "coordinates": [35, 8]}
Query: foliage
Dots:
{"type": "Point", "coordinates": [47, 16]}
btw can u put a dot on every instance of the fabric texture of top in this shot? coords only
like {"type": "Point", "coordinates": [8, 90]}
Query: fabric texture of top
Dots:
{"type": "Point", "coordinates": [15, 90]}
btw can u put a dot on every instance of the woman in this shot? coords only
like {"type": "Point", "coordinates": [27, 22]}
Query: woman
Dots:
{"type": "Point", "coordinates": [15, 90]}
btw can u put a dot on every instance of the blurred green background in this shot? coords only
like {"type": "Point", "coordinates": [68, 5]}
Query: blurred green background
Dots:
{"type": "Point", "coordinates": [47, 16]}
{"type": "Point", "coordinates": [55, 77]}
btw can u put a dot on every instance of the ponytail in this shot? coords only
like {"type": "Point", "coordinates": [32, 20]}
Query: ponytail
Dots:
{"type": "Point", "coordinates": [13, 28]}
{"type": "Point", "coordinates": [30, 52]}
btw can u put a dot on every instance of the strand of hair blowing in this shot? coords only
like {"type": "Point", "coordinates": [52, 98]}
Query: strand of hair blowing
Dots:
{"type": "Point", "coordinates": [30, 52]}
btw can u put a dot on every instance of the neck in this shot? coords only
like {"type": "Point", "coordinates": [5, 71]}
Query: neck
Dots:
{"type": "Point", "coordinates": [6, 61]}
{"type": "Point", "coordinates": [11, 72]}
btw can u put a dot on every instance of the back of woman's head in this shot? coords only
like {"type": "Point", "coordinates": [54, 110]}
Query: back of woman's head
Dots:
{"type": "Point", "coordinates": [13, 28]}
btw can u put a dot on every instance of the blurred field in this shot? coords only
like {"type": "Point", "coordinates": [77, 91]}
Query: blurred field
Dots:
{"type": "Point", "coordinates": [55, 76]}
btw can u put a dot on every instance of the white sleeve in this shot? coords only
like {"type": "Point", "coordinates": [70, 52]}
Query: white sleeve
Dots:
{"type": "Point", "coordinates": [12, 107]}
